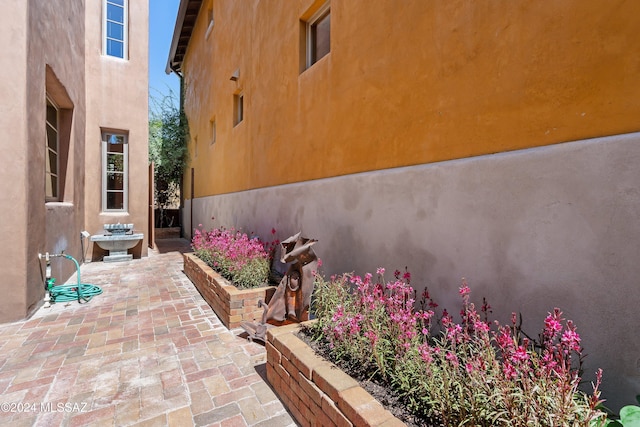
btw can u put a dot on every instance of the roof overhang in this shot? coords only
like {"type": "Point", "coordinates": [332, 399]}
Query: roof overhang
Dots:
{"type": "Point", "coordinates": [185, 21]}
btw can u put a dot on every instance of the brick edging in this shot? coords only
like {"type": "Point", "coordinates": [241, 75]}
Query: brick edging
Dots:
{"type": "Point", "coordinates": [232, 305]}
{"type": "Point", "coordinates": [315, 391]}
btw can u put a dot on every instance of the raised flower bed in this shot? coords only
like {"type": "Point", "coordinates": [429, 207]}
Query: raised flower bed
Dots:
{"type": "Point", "coordinates": [314, 390]}
{"type": "Point", "coordinates": [448, 373]}
{"type": "Point", "coordinates": [232, 305]}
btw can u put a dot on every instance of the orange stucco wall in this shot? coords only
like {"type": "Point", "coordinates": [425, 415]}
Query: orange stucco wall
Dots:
{"type": "Point", "coordinates": [405, 83]}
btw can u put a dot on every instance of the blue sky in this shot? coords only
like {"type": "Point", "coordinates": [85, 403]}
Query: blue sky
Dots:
{"type": "Point", "coordinates": [162, 19]}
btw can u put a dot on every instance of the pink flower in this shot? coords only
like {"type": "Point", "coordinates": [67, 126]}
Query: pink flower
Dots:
{"type": "Point", "coordinates": [446, 319]}
{"type": "Point", "coordinates": [464, 290]}
{"type": "Point", "coordinates": [453, 332]}
{"type": "Point", "coordinates": [549, 363]}
{"type": "Point", "coordinates": [426, 315]}
{"type": "Point", "coordinates": [338, 314]}
{"type": "Point", "coordinates": [373, 338]}
{"type": "Point", "coordinates": [481, 326]}
{"type": "Point", "coordinates": [425, 353]}
{"type": "Point", "coordinates": [504, 339]}
{"type": "Point", "coordinates": [509, 370]}
{"type": "Point", "coordinates": [520, 355]}
{"type": "Point", "coordinates": [380, 271]}
{"type": "Point", "coordinates": [552, 324]}
{"type": "Point", "coordinates": [571, 340]}
{"type": "Point", "coordinates": [451, 357]}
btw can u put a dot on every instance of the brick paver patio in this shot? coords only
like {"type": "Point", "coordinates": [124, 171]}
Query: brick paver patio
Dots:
{"type": "Point", "coordinates": [147, 352]}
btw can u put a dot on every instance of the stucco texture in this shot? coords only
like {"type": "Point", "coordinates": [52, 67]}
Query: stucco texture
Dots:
{"type": "Point", "coordinates": [530, 230]}
{"type": "Point", "coordinates": [492, 140]}
{"type": "Point", "coordinates": [118, 101]}
{"type": "Point", "coordinates": [13, 180]}
{"type": "Point", "coordinates": [56, 53]}
{"type": "Point", "coordinates": [424, 82]}
{"type": "Point", "coordinates": [47, 59]}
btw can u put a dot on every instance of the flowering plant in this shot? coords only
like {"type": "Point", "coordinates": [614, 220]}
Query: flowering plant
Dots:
{"type": "Point", "coordinates": [472, 372]}
{"type": "Point", "coordinates": [244, 260]}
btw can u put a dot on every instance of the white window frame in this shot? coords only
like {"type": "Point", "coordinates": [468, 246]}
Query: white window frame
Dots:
{"type": "Point", "coordinates": [310, 38]}
{"type": "Point", "coordinates": [125, 172]}
{"type": "Point", "coordinates": [55, 190]}
{"type": "Point", "coordinates": [125, 29]}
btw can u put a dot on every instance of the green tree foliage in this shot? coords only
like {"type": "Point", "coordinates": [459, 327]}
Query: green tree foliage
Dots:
{"type": "Point", "coordinates": [168, 135]}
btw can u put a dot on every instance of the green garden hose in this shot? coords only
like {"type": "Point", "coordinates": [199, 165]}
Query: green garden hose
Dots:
{"type": "Point", "coordinates": [82, 292]}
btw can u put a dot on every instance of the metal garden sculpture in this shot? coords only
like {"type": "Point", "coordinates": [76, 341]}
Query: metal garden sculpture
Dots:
{"type": "Point", "coordinates": [292, 297]}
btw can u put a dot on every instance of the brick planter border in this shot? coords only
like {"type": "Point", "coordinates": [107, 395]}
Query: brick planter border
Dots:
{"type": "Point", "coordinates": [315, 391]}
{"type": "Point", "coordinates": [232, 305]}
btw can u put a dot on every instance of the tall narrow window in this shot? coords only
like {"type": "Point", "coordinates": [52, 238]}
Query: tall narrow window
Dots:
{"type": "Point", "coordinates": [51, 153]}
{"type": "Point", "coordinates": [115, 166]}
{"type": "Point", "coordinates": [58, 119]}
{"type": "Point", "coordinates": [238, 108]}
{"type": "Point", "coordinates": [318, 31]}
{"type": "Point", "coordinates": [115, 28]}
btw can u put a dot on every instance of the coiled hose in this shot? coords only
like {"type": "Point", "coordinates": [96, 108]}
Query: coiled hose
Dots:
{"type": "Point", "coordinates": [82, 292]}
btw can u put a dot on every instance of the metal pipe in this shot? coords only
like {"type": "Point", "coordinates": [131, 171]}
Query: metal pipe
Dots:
{"type": "Point", "coordinates": [47, 279]}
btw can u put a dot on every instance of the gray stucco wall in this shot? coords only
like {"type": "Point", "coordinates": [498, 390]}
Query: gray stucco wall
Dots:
{"type": "Point", "coordinates": [531, 230]}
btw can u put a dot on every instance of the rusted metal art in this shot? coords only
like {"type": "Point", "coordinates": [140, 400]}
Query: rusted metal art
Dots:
{"type": "Point", "coordinates": [292, 298]}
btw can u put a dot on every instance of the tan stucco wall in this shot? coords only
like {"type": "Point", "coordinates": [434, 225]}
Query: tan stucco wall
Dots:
{"type": "Point", "coordinates": [404, 84]}
{"type": "Point", "coordinates": [554, 226]}
{"type": "Point", "coordinates": [48, 50]}
{"type": "Point", "coordinates": [56, 35]}
{"type": "Point", "coordinates": [47, 40]}
{"type": "Point", "coordinates": [13, 179]}
{"type": "Point", "coordinates": [117, 99]}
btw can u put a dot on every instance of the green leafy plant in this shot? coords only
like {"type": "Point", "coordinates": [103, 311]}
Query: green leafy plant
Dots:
{"type": "Point", "coordinates": [454, 373]}
{"type": "Point", "coordinates": [629, 417]}
{"type": "Point", "coordinates": [168, 134]}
